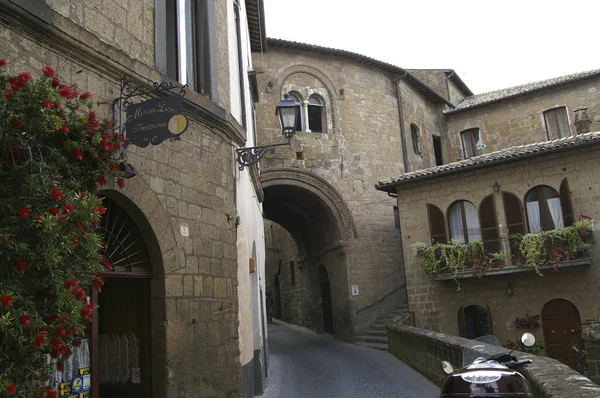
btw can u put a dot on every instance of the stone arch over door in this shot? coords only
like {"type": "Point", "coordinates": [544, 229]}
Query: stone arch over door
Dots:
{"type": "Point", "coordinates": [562, 326]}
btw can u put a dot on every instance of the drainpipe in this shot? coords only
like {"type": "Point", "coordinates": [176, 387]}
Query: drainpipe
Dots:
{"type": "Point", "coordinates": [402, 132]}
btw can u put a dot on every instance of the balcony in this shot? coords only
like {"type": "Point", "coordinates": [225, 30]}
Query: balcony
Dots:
{"type": "Point", "coordinates": [547, 251]}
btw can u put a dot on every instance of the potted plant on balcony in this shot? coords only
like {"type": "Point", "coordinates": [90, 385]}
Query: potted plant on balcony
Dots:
{"type": "Point", "coordinates": [585, 229]}
{"type": "Point", "coordinates": [515, 240]}
{"type": "Point", "coordinates": [497, 259]}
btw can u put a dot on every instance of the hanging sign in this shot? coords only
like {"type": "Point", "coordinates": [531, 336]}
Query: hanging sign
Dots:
{"type": "Point", "coordinates": [155, 120]}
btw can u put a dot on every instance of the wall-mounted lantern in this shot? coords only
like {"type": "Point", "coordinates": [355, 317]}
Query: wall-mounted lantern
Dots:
{"type": "Point", "coordinates": [288, 112]}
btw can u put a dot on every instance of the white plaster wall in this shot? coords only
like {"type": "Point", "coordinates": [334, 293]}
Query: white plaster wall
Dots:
{"type": "Point", "coordinates": [234, 72]}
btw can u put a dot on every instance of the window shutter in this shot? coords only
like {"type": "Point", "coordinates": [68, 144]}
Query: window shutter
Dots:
{"type": "Point", "coordinates": [514, 213]}
{"type": "Point", "coordinates": [490, 321]}
{"type": "Point", "coordinates": [437, 225]}
{"type": "Point", "coordinates": [565, 203]}
{"type": "Point", "coordinates": [462, 325]}
{"type": "Point", "coordinates": [489, 227]}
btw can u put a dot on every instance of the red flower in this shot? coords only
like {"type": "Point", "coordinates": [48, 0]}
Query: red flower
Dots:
{"type": "Point", "coordinates": [98, 282]}
{"type": "Point", "coordinates": [101, 210]}
{"type": "Point", "coordinates": [25, 320]}
{"type": "Point", "coordinates": [7, 301]}
{"type": "Point", "coordinates": [79, 294]}
{"type": "Point", "coordinates": [121, 183]}
{"type": "Point", "coordinates": [101, 181]}
{"type": "Point", "coordinates": [77, 153]}
{"type": "Point", "coordinates": [107, 146]}
{"type": "Point", "coordinates": [43, 331]}
{"type": "Point", "coordinates": [2, 62]}
{"type": "Point", "coordinates": [66, 92]}
{"type": "Point", "coordinates": [56, 343]}
{"type": "Point", "coordinates": [85, 96]}
{"type": "Point", "coordinates": [76, 343]}
{"type": "Point", "coordinates": [48, 71]}
{"type": "Point", "coordinates": [40, 341]}
{"type": "Point", "coordinates": [24, 212]}
{"type": "Point", "coordinates": [107, 264]}
{"type": "Point", "coordinates": [68, 209]}
{"type": "Point", "coordinates": [61, 332]}
{"type": "Point", "coordinates": [47, 104]}
{"type": "Point", "coordinates": [51, 394]}
{"type": "Point", "coordinates": [55, 82]}
{"type": "Point", "coordinates": [15, 122]}
{"type": "Point", "coordinates": [88, 311]}
{"type": "Point", "coordinates": [56, 194]}
{"type": "Point", "coordinates": [12, 388]}
{"type": "Point", "coordinates": [8, 94]}
{"type": "Point", "coordinates": [21, 265]}
{"type": "Point", "coordinates": [54, 211]}
{"type": "Point", "coordinates": [72, 283]}
{"type": "Point", "coordinates": [50, 320]}
{"type": "Point", "coordinates": [74, 329]}
{"type": "Point", "coordinates": [64, 128]}
{"type": "Point", "coordinates": [25, 77]}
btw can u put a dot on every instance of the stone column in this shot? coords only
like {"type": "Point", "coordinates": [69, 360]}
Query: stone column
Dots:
{"type": "Point", "coordinates": [306, 126]}
{"type": "Point", "coordinates": [582, 121]}
{"type": "Point", "coordinates": [591, 336]}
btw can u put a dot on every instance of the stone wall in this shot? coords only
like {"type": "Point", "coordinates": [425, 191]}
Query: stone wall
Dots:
{"type": "Point", "coordinates": [591, 336]}
{"type": "Point", "coordinates": [442, 300]}
{"type": "Point", "coordinates": [424, 350]}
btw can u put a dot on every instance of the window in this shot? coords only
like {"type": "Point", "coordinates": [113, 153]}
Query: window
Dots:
{"type": "Point", "coordinates": [300, 120]}
{"type": "Point", "coordinates": [437, 150]}
{"type": "Point", "coordinates": [489, 226]}
{"type": "Point", "coordinates": [474, 321]}
{"type": "Point", "coordinates": [544, 212]}
{"type": "Point", "coordinates": [414, 134]}
{"type": "Point", "coordinates": [464, 222]}
{"type": "Point", "coordinates": [315, 114]}
{"type": "Point", "coordinates": [437, 224]}
{"type": "Point", "coordinates": [471, 143]}
{"type": "Point", "coordinates": [514, 213]}
{"type": "Point", "coordinates": [557, 123]}
{"type": "Point", "coordinates": [292, 273]}
{"type": "Point", "coordinates": [397, 221]}
{"type": "Point", "coordinates": [185, 39]}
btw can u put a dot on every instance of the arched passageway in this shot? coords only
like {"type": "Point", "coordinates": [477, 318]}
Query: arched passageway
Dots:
{"type": "Point", "coordinates": [310, 226]}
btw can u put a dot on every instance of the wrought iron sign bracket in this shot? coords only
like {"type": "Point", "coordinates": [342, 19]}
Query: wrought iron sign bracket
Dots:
{"type": "Point", "coordinates": [252, 155]}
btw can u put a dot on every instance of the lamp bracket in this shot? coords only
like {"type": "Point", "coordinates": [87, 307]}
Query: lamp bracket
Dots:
{"type": "Point", "coordinates": [252, 155]}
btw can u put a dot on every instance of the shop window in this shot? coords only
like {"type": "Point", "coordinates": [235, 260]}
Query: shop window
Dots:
{"type": "Point", "coordinates": [565, 202]}
{"type": "Point", "coordinates": [489, 225]}
{"type": "Point", "coordinates": [471, 143]}
{"type": "Point", "coordinates": [300, 120]}
{"type": "Point", "coordinates": [544, 211]}
{"type": "Point", "coordinates": [437, 224]}
{"type": "Point", "coordinates": [416, 144]}
{"type": "Point", "coordinates": [292, 273]}
{"type": "Point", "coordinates": [316, 117]}
{"type": "Point", "coordinates": [464, 222]}
{"type": "Point", "coordinates": [185, 36]}
{"type": "Point", "coordinates": [474, 321]}
{"type": "Point", "coordinates": [437, 150]}
{"type": "Point", "coordinates": [557, 123]}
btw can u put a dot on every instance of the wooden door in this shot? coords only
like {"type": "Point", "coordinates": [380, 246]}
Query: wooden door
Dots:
{"type": "Point", "coordinates": [561, 327]}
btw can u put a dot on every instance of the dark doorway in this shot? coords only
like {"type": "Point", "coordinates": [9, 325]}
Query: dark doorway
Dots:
{"type": "Point", "coordinates": [437, 150]}
{"type": "Point", "coordinates": [474, 321]}
{"type": "Point", "coordinates": [326, 300]}
{"type": "Point", "coordinates": [561, 328]}
{"type": "Point", "coordinates": [276, 298]}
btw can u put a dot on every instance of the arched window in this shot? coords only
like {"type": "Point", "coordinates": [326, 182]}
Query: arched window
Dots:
{"type": "Point", "coordinates": [464, 222]}
{"type": "Point", "coordinates": [300, 120]}
{"type": "Point", "coordinates": [315, 114]}
{"type": "Point", "coordinates": [414, 134]}
{"type": "Point", "coordinates": [437, 225]}
{"type": "Point", "coordinates": [474, 321]}
{"type": "Point", "coordinates": [544, 212]}
{"type": "Point", "coordinates": [489, 226]}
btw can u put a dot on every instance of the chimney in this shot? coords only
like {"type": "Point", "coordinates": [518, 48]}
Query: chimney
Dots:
{"type": "Point", "coordinates": [582, 121]}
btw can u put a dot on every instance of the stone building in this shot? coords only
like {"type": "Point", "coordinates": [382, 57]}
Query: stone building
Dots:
{"type": "Point", "coordinates": [187, 231]}
{"type": "Point", "coordinates": [334, 245]}
{"type": "Point", "coordinates": [516, 161]}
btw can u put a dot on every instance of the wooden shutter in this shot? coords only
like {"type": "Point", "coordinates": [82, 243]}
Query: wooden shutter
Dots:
{"type": "Point", "coordinates": [565, 203]}
{"type": "Point", "coordinates": [489, 226]}
{"type": "Point", "coordinates": [514, 213]}
{"type": "Point", "coordinates": [462, 325]}
{"type": "Point", "coordinates": [437, 225]}
{"type": "Point", "coordinates": [490, 321]}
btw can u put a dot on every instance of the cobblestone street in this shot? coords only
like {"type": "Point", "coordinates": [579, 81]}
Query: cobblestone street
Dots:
{"type": "Point", "coordinates": [304, 364]}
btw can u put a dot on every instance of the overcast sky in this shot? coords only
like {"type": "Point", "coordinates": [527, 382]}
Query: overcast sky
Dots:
{"type": "Point", "coordinates": [490, 44]}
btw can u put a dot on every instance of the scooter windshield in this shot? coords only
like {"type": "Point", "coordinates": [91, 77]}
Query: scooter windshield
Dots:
{"type": "Point", "coordinates": [472, 351]}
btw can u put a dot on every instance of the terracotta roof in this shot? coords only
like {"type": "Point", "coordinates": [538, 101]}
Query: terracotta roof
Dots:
{"type": "Point", "coordinates": [421, 87]}
{"type": "Point", "coordinates": [511, 92]}
{"type": "Point", "coordinates": [491, 159]}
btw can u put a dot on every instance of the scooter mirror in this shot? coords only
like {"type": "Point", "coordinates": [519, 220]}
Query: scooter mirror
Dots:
{"type": "Point", "coordinates": [447, 367]}
{"type": "Point", "coordinates": [528, 339]}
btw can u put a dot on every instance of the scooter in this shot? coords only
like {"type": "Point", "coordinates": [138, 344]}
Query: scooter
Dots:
{"type": "Point", "coordinates": [492, 377]}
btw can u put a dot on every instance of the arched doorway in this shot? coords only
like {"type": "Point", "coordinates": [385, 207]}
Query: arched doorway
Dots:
{"type": "Point", "coordinates": [276, 297]}
{"type": "Point", "coordinates": [474, 321]}
{"type": "Point", "coordinates": [561, 328]}
{"type": "Point", "coordinates": [121, 359]}
{"type": "Point", "coordinates": [326, 304]}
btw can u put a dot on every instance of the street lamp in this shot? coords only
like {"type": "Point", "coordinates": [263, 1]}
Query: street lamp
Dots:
{"type": "Point", "coordinates": [288, 112]}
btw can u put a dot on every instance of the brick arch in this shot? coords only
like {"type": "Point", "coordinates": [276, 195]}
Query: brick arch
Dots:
{"type": "Point", "coordinates": [328, 194]}
{"type": "Point", "coordinates": [321, 77]}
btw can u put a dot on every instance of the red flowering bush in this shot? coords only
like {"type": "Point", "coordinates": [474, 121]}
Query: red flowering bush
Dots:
{"type": "Point", "coordinates": [527, 322]}
{"type": "Point", "coordinates": [54, 152]}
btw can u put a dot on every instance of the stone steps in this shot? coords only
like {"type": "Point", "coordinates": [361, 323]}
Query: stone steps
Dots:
{"type": "Point", "coordinates": [376, 338]}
